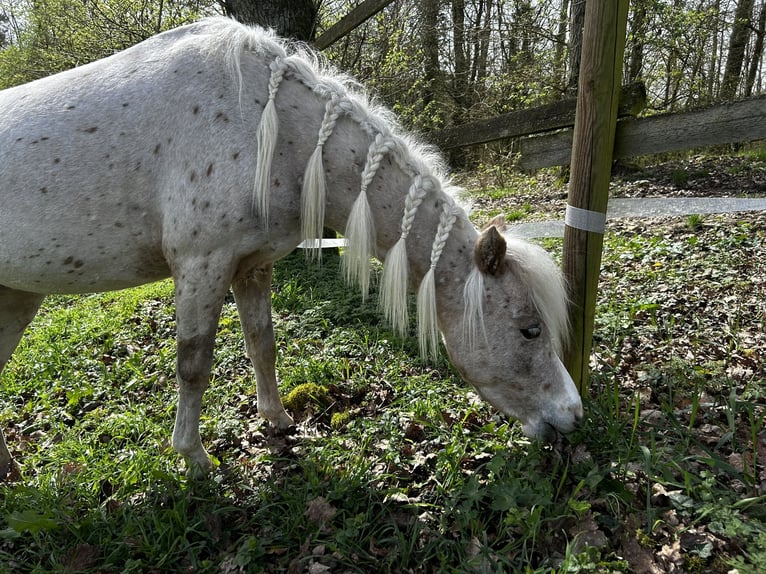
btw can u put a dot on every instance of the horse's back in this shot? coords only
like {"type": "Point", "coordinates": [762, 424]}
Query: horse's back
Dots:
{"type": "Point", "coordinates": [99, 160]}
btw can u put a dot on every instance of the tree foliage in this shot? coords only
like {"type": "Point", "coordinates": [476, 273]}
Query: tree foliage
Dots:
{"type": "Point", "coordinates": [47, 36]}
{"type": "Point", "coordinates": [501, 55]}
{"type": "Point", "coordinates": [438, 62]}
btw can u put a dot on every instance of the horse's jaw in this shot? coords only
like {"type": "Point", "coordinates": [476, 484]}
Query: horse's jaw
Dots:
{"type": "Point", "coordinates": [542, 414]}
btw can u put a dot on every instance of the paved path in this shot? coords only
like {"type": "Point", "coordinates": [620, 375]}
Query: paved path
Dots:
{"type": "Point", "coordinates": [649, 207]}
{"type": "Point", "coordinates": [630, 207]}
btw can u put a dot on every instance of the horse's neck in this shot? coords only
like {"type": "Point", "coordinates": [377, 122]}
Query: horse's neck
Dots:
{"type": "Point", "coordinates": [346, 154]}
{"type": "Point", "coordinates": [353, 153]}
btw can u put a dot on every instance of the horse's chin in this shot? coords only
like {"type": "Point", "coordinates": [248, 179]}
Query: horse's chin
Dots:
{"type": "Point", "coordinates": [540, 430]}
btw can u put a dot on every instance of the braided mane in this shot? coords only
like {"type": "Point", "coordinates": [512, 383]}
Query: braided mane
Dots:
{"type": "Point", "coordinates": [345, 98]}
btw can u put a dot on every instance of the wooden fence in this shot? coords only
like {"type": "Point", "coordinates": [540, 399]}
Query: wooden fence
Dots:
{"type": "Point", "coordinates": [543, 135]}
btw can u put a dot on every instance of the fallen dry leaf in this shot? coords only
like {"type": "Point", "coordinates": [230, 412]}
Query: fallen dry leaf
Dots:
{"type": "Point", "coordinates": [320, 512]}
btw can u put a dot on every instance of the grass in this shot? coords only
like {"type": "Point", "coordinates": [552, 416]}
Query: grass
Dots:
{"type": "Point", "coordinates": [396, 466]}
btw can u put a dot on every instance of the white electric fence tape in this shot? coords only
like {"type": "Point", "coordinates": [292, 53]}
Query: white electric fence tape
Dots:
{"type": "Point", "coordinates": [592, 221]}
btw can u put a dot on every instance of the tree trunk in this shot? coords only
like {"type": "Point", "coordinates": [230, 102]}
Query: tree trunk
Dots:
{"type": "Point", "coordinates": [481, 47]}
{"type": "Point", "coordinates": [671, 74]}
{"type": "Point", "coordinates": [577, 19]}
{"type": "Point", "coordinates": [525, 19]}
{"type": "Point", "coordinates": [755, 61]}
{"type": "Point", "coordinates": [460, 83]}
{"type": "Point", "coordinates": [713, 68]}
{"type": "Point", "coordinates": [561, 35]}
{"type": "Point", "coordinates": [740, 35]}
{"type": "Point", "coordinates": [637, 32]}
{"type": "Point", "coordinates": [429, 11]}
{"type": "Point", "coordinates": [289, 18]}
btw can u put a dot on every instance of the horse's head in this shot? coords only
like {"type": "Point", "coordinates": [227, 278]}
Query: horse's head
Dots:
{"type": "Point", "coordinates": [510, 340]}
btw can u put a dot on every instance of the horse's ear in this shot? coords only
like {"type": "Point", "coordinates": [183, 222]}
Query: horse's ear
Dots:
{"type": "Point", "coordinates": [498, 221]}
{"type": "Point", "coordinates": [489, 252]}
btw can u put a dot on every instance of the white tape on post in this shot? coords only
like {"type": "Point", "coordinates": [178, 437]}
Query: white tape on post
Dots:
{"type": "Point", "coordinates": [585, 220]}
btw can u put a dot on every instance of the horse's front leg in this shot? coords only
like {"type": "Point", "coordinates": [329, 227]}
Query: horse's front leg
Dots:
{"type": "Point", "coordinates": [253, 296]}
{"type": "Point", "coordinates": [200, 288]}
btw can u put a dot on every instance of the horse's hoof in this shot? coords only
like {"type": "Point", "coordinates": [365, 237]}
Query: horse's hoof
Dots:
{"type": "Point", "coordinates": [281, 422]}
{"type": "Point", "coordinates": [277, 431]}
{"type": "Point", "coordinates": [199, 469]}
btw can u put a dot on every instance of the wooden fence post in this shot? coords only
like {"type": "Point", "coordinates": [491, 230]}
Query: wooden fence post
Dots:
{"type": "Point", "coordinates": [590, 172]}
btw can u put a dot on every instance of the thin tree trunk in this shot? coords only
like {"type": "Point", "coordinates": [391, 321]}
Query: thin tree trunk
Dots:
{"type": "Point", "coordinates": [561, 35]}
{"type": "Point", "coordinates": [637, 31]}
{"type": "Point", "coordinates": [482, 44]}
{"type": "Point", "coordinates": [429, 10]}
{"type": "Point", "coordinates": [740, 35]}
{"type": "Point", "coordinates": [714, 57]}
{"type": "Point", "coordinates": [755, 61]}
{"type": "Point", "coordinates": [577, 18]}
{"type": "Point", "coordinates": [672, 75]}
{"type": "Point", "coordinates": [525, 18]}
{"type": "Point", "coordinates": [460, 84]}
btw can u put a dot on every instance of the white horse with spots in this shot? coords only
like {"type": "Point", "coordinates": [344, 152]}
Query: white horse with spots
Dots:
{"type": "Point", "coordinates": [209, 152]}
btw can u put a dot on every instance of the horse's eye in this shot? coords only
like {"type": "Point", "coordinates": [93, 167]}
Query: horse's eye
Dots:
{"type": "Point", "coordinates": [531, 332]}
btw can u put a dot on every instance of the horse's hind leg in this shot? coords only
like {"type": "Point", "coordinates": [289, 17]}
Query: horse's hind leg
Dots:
{"type": "Point", "coordinates": [200, 290]}
{"type": "Point", "coordinates": [17, 309]}
{"type": "Point", "coordinates": [253, 295]}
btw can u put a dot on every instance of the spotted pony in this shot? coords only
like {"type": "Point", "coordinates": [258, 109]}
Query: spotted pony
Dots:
{"type": "Point", "coordinates": [209, 152]}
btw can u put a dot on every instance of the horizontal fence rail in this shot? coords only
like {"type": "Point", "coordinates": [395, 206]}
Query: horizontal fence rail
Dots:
{"type": "Point", "coordinates": [733, 122]}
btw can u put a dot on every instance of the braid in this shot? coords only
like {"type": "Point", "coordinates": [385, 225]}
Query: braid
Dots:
{"type": "Point", "coordinates": [266, 139]}
{"type": "Point", "coordinates": [428, 329]}
{"type": "Point", "coordinates": [379, 148]}
{"type": "Point", "coordinates": [314, 188]}
{"type": "Point", "coordinates": [446, 221]}
{"type": "Point", "coordinates": [360, 228]}
{"type": "Point", "coordinates": [395, 280]}
{"type": "Point", "coordinates": [418, 190]}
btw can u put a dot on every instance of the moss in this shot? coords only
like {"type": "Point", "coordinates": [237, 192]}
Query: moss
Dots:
{"type": "Point", "coordinates": [340, 420]}
{"type": "Point", "coordinates": [298, 399]}
{"type": "Point", "coordinates": [643, 538]}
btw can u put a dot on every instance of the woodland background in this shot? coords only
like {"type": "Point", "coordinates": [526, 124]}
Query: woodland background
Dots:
{"type": "Point", "coordinates": [396, 466]}
{"type": "Point", "coordinates": [437, 63]}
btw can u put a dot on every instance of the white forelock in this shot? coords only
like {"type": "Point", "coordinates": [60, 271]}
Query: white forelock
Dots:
{"type": "Point", "coordinates": [546, 284]}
